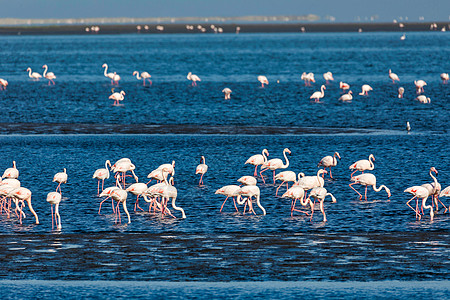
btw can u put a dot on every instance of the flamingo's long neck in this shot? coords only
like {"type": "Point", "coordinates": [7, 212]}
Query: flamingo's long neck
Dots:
{"type": "Point", "coordinates": [287, 160]}
{"type": "Point", "coordinates": [183, 215]}
{"type": "Point", "coordinates": [322, 91]}
{"type": "Point", "coordinates": [434, 179]}
{"type": "Point", "coordinates": [372, 166]}
{"type": "Point", "coordinates": [333, 199]}
{"type": "Point", "coordinates": [259, 204]}
{"type": "Point", "coordinates": [106, 70]}
{"type": "Point", "coordinates": [137, 76]}
{"type": "Point", "coordinates": [45, 71]}
{"type": "Point", "coordinates": [29, 73]}
{"type": "Point", "coordinates": [264, 155]}
{"type": "Point", "coordinates": [320, 179]}
{"type": "Point", "coordinates": [203, 159]}
{"type": "Point", "coordinates": [106, 167]}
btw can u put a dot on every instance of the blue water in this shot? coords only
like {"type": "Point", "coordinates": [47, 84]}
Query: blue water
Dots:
{"type": "Point", "coordinates": [48, 128]}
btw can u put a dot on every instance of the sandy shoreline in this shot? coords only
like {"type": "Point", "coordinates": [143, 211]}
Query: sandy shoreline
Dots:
{"type": "Point", "coordinates": [227, 28]}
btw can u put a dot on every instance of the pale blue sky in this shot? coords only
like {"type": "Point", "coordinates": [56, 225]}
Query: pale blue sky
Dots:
{"type": "Point", "coordinates": [342, 10]}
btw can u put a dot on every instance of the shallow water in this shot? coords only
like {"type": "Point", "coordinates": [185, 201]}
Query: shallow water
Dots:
{"type": "Point", "coordinates": [73, 125]}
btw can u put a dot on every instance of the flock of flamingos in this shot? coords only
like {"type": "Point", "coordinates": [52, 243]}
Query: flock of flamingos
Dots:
{"type": "Point", "coordinates": [247, 194]}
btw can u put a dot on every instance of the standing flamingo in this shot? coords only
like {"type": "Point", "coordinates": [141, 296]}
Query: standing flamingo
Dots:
{"type": "Point", "coordinates": [263, 79]}
{"type": "Point", "coordinates": [401, 91]}
{"type": "Point", "coordinates": [328, 76]}
{"type": "Point", "coordinates": [329, 161]}
{"type": "Point", "coordinates": [202, 168]}
{"type": "Point", "coordinates": [108, 75]}
{"type": "Point", "coordinates": [138, 189]}
{"type": "Point", "coordinates": [144, 75]}
{"type": "Point", "coordinates": [318, 95]}
{"type": "Point", "coordinates": [3, 84]}
{"type": "Point", "coordinates": [250, 191]}
{"type": "Point", "coordinates": [365, 90]}
{"type": "Point", "coordinates": [368, 179]}
{"type": "Point", "coordinates": [11, 172]}
{"type": "Point", "coordinates": [60, 177]}
{"type": "Point", "coordinates": [116, 78]}
{"type": "Point", "coordinates": [102, 174]}
{"type": "Point", "coordinates": [296, 193]}
{"type": "Point", "coordinates": [344, 86]}
{"type": "Point", "coordinates": [50, 75]}
{"type": "Point", "coordinates": [120, 195]}
{"type": "Point", "coordinates": [319, 193]}
{"type": "Point", "coordinates": [34, 75]}
{"type": "Point", "coordinates": [393, 76]}
{"type": "Point", "coordinates": [227, 93]}
{"type": "Point", "coordinates": [276, 163]}
{"type": "Point", "coordinates": [168, 191]}
{"type": "Point", "coordinates": [194, 78]}
{"type": "Point", "coordinates": [257, 160]}
{"type": "Point", "coordinates": [445, 78]}
{"type": "Point", "coordinates": [285, 177]}
{"type": "Point", "coordinates": [347, 97]}
{"type": "Point", "coordinates": [22, 194]}
{"type": "Point", "coordinates": [363, 165]}
{"type": "Point", "coordinates": [247, 180]}
{"type": "Point", "coordinates": [229, 191]}
{"type": "Point", "coordinates": [310, 182]}
{"type": "Point", "coordinates": [54, 198]}
{"type": "Point", "coordinates": [445, 192]}
{"type": "Point", "coordinates": [419, 192]}
{"type": "Point", "coordinates": [434, 189]}
{"type": "Point", "coordinates": [117, 97]}
{"type": "Point", "coordinates": [123, 166]}
{"type": "Point", "coordinates": [419, 86]}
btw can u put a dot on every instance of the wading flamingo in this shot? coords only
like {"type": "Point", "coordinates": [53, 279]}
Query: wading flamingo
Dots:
{"type": "Point", "coordinates": [257, 160]}
{"type": "Point", "coordinates": [285, 177]}
{"type": "Point", "coordinates": [401, 91]}
{"type": "Point", "coordinates": [296, 193]}
{"type": "Point", "coordinates": [423, 99]}
{"type": "Point", "coordinates": [310, 182]}
{"type": "Point", "coordinates": [34, 75]}
{"type": "Point", "coordinates": [143, 76]}
{"type": "Point", "coordinates": [229, 191]}
{"type": "Point", "coordinates": [344, 86]}
{"type": "Point", "coordinates": [365, 90]}
{"type": "Point", "coordinates": [445, 78]}
{"type": "Point", "coordinates": [263, 80]}
{"type": "Point", "coordinates": [3, 84]}
{"type": "Point", "coordinates": [247, 180]}
{"type": "Point", "coordinates": [11, 172]}
{"type": "Point", "coordinates": [138, 189]}
{"type": "Point", "coordinates": [108, 75]}
{"type": "Point", "coordinates": [393, 76]}
{"type": "Point", "coordinates": [50, 75]}
{"type": "Point", "coordinates": [347, 97]}
{"type": "Point", "coordinates": [248, 192]}
{"type": "Point", "coordinates": [120, 195]}
{"type": "Point", "coordinates": [419, 192]}
{"type": "Point", "coordinates": [308, 78]}
{"type": "Point", "coordinates": [102, 174]}
{"type": "Point", "coordinates": [22, 194]}
{"type": "Point", "coordinates": [117, 97]}
{"type": "Point", "coordinates": [60, 177]}
{"type": "Point", "coordinates": [202, 168]}
{"type": "Point", "coordinates": [368, 179]}
{"type": "Point", "coordinates": [328, 76]}
{"type": "Point", "coordinates": [318, 95]}
{"type": "Point", "coordinates": [123, 166]}
{"type": "Point", "coordinates": [319, 193]}
{"type": "Point", "coordinates": [168, 192]}
{"type": "Point", "coordinates": [329, 161]}
{"type": "Point", "coordinates": [227, 93]}
{"type": "Point", "coordinates": [276, 163]}
{"type": "Point", "coordinates": [116, 78]}
{"type": "Point", "coordinates": [419, 86]}
{"type": "Point", "coordinates": [54, 198]}
{"type": "Point", "coordinates": [434, 189]}
{"type": "Point", "coordinates": [363, 165]}
{"type": "Point", "coordinates": [194, 78]}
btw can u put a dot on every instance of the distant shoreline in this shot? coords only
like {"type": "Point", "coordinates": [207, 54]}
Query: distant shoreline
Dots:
{"type": "Point", "coordinates": [226, 28]}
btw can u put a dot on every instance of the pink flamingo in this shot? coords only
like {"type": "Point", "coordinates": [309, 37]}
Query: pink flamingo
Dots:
{"type": "Point", "coordinates": [347, 97]}
{"type": "Point", "coordinates": [419, 86]}
{"type": "Point", "coordinates": [227, 93]}
{"type": "Point", "coordinates": [285, 177]}
{"type": "Point", "coordinates": [54, 198]}
{"type": "Point", "coordinates": [50, 75]}
{"type": "Point", "coordinates": [3, 84]}
{"type": "Point", "coordinates": [328, 76]}
{"type": "Point", "coordinates": [168, 192]}
{"type": "Point", "coordinates": [319, 193]}
{"type": "Point", "coordinates": [296, 193]}
{"type": "Point", "coordinates": [102, 174]}
{"type": "Point", "coordinates": [363, 165]}
{"type": "Point", "coordinates": [318, 95]}
{"type": "Point", "coordinates": [263, 79]}
{"type": "Point", "coordinates": [248, 192]}
{"type": "Point", "coordinates": [276, 163]}
{"type": "Point", "coordinates": [257, 160]}
{"type": "Point", "coordinates": [144, 75]}
{"type": "Point", "coordinates": [116, 78]}
{"type": "Point", "coordinates": [401, 91]}
{"type": "Point", "coordinates": [423, 99]}
{"type": "Point", "coordinates": [368, 179]}
{"type": "Point", "coordinates": [108, 75]}
{"type": "Point", "coordinates": [120, 195]}
{"type": "Point", "coordinates": [229, 191]}
{"type": "Point", "coordinates": [344, 86]}
{"type": "Point", "coordinates": [365, 90]}
{"type": "Point", "coordinates": [194, 78]}
{"type": "Point", "coordinates": [202, 168]}
{"type": "Point", "coordinates": [11, 172]}
{"type": "Point", "coordinates": [247, 180]}
{"type": "Point", "coordinates": [138, 189]}
{"type": "Point", "coordinates": [117, 97]}
{"type": "Point", "coordinates": [444, 76]}
{"type": "Point", "coordinates": [419, 192]}
{"type": "Point", "coordinates": [22, 194]}
{"type": "Point", "coordinates": [393, 76]}
{"type": "Point", "coordinates": [34, 75]}
{"type": "Point", "coordinates": [60, 177]}
{"type": "Point", "coordinates": [329, 161]}
{"type": "Point", "coordinates": [434, 189]}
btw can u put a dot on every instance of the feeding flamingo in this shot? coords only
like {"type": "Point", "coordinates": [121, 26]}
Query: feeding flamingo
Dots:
{"type": "Point", "coordinates": [329, 161]}
{"type": "Point", "coordinates": [368, 179]}
{"type": "Point", "coordinates": [227, 93]}
{"type": "Point", "coordinates": [401, 91]}
{"type": "Point", "coordinates": [60, 177]}
{"type": "Point", "coordinates": [144, 75]}
{"type": "Point", "coordinates": [54, 198]}
{"type": "Point", "coordinates": [3, 84]}
{"type": "Point", "coordinates": [263, 80]}
{"type": "Point", "coordinates": [285, 177]}
{"type": "Point", "coordinates": [318, 95]}
{"type": "Point", "coordinates": [296, 193]}
{"type": "Point", "coordinates": [363, 165]}
{"type": "Point", "coordinates": [22, 194]}
{"type": "Point", "coordinates": [419, 192]}
{"type": "Point", "coordinates": [365, 90]}
{"type": "Point", "coordinates": [445, 78]}
{"type": "Point", "coordinates": [50, 75]}
{"type": "Point", "coordinates": [138, 189]}
{"type": "Point", "coordinates": [328, 76]}
{"type": "Point", "coordinates": [257, 160]}
{"type": "Point", "coordinates": [229, 191]}
{"type": "Point", "coordinates": [319, 193]}
{"type": "Point", "coordinates": [276, 163]}
{"type": "Point", "coordinates": [247, 180]}
{"type": "Point", "coordinates": [202, 168]}
{"type": "Point", "coordinates": [248, 192]}
{"type": "Point", "coordinates": [423, 99]}
{"type": "Point", "coordinates": [11, 172]}
{"type": "Point", "coordinates": [419, 86]}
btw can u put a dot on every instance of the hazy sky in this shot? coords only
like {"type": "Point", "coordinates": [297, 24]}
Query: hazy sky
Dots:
{"type": "Point", "coordinates": [342, 10]}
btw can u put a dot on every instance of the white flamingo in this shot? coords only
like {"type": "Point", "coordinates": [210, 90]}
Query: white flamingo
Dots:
{"type": "Point", "coordinates": [54, 198]}
{"type": "Point", "coordinates": [143, 76]}
{"type": "Point", "coordinates": [117, 97]}
{"type": "Point", "coordinates": [102, 174]}
{"type": "Point", "coordinates": [363, 165]}
{"type": "Point", "coordinates": [108, 75]}
{"type": "Point", "coordinates": [34, 75]}
{"type": "Point", "coordinates": [263, 79]}
{"type": "Point", "coordinates": [393, 76]}
{"type": "Point", "coordinates": [202, 168]}
{"type": "Point", "coordinates": [368, 179]}
{"type": "Point", "coordinates": [11, 172]}
{"type": "Point", "coordinates": [328, 76]}
{"type": "Point", "coordinates": [423, 99]}
{"type": "Point", "coordinates": [329, 161]}
{"type": "Point", "coordinates": [319, 193]}
{"type": "Point", "coordinates": [365, 90]}
{"type": "Point", "coordinates": [401, 91]}
{"type": "Point", "coordinates": [3, 84]}
{"type": "Point", "coordinates": [227, 93]}
{"type": "Point", "coordinates": [419, 192]}
{"type": "Point", "coordinates": [344, 86]}
{"type": "Point", "coordinates": [50, 75]}
{"type": "Point", "coordinates": [419, 86]}
{"type": "Point", "coordinates": [257, 160]}
{"type": "Point", "coordinates": [276, 163]}
{"type": "Point", "coordinates": [229, 191]}
{"type": "Point", "coordinates": [194, 78]}
{"type": "Point", "coordinates": [347, 97]}
{"type": "Point", "coordinates": [248, 192]}
{"type": "Point", "coordinates": [318, 95]}
{"type": "Point", "coordinates": [445, 78]}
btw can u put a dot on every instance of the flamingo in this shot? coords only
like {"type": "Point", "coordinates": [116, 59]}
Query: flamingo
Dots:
{"type": "Point", "coordinates": [3, 84]}
{"type": "Point", "coordinates": [202, 168]}
{"type": "Point", "coordinates": [419, 86]}
{"type": "Point", "coordinates": [310, 182]}
{"type": "Point", "coordinates": [328, 76]}
{"type": "Point", "coordinates": [347, 97]}
{"type": "Point", "coordinates": [54, 198]}
{"type": "Point", "coordinates": [137, 189]}
{"type": "Point", "coordinates": [365, 90]}
{"type": "Point", "coordinates": [194, 78]}
{"type": "Point", "coordinates": [116, 78]}
{"type": "Point", "coordinates": [50, 75]}
{"type": "Point", "coordinates": [296, 193]}
{"type": "Point", "coordinates": [276, 163]}
{"type": "Point", "coordinates": [10, 182]}
{"type": "Point", "coordinates": [250, 191]}
{"type": "Point", "coordinates": [444, 76]}
{"type": "Point", "coordinates": [123, 166]}
{"type": "Point", "coordinates": [33, 75]}
{"type": "Point", "coordinates": [344, 86]}
{"type": "Point", "coordinates": [393, 76]}
{"type": "Point", "coordinates": [329, 161]}
{"type": "Point", "coordinates": [403, 37]}
{"type": "Point", "coordinates": [285, 177]}
{"type": "Point", "coordinates": [60, 177]}
{"type": "Point", "coordinates": [319, 193]}
{"type": "Point", "coordinates": [318, 95]}
{"type": "Point", "coordinates": [227, 93]}
{"type": "Point", "coordinates": [445, 192]}
{"type": "Point", "coordinates": [109, 75]}
{"type": "Point", "coordinates": [169, 191]}
{"type": "Point", "coordinates": [263, 80]}
{"type": "Point", "coordinates": [229, 191]}
{"type": "Point", "coordinates": [120, 195]}
{"type": "Point", "coordinates": [11, 172]}
{"type": "Point", "coordinates": [144, 75]}
{"type": "Point", "coordinates": [368, 179]}
{"type": "Point", "coordinates": [419, 192]}
{"type": "Point", "coordinates": [423, 99]}
{"type": "Point", "coordinates": [434, 189]}
{"type": "Point", "coordinates": [169, 168]}
{"type": "Point", "coordinates": [257, 160]}
{"type": "Point", "coordinates": [22, 194]}
{"type": "Point", "coordinates": [308, 78]}
{"type": "Point", "coordinates": [401, 91]}
{"type": "Point", "coordinates": [102, 174]}
{"type": "Point", "coordinates": [5, 189]}
{"type": "Point", "coordinates": [247, 180]}
{"type": "Point", "coordinates": [107, 193]}
{"type": "Point", "coordinates": [117, 97]}
{"type": "Point", "coordinates": [363, 165]}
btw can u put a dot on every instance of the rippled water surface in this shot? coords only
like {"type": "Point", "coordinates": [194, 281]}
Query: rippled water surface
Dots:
{"type": "Point", "coordinates": [73, 125]}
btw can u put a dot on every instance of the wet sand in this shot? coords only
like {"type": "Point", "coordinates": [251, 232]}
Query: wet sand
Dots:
{"type": "Point", "coordinates": [227, 28]}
